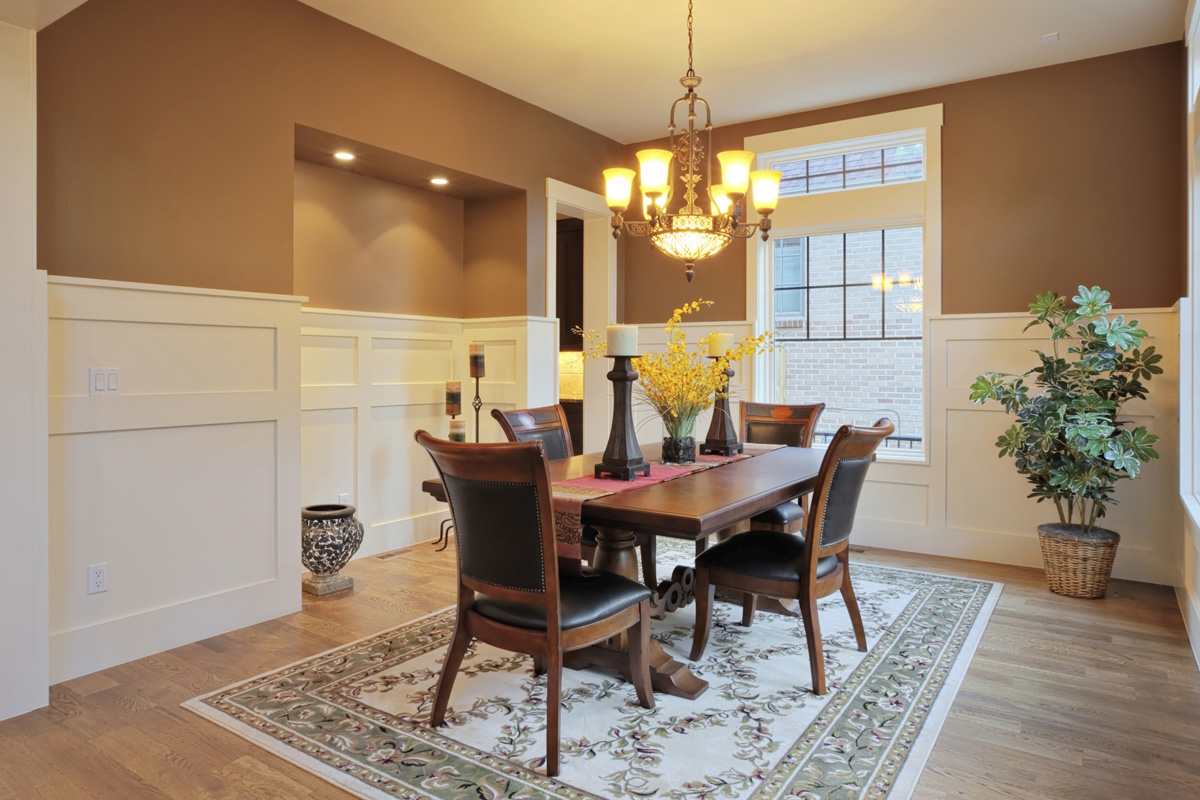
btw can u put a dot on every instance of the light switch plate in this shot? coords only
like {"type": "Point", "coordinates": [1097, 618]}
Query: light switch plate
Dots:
{"type": "Point", "coordinates": [103, 381]}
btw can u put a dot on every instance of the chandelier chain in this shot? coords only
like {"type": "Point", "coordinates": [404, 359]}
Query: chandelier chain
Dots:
{"type": "Point", "coordinates": [690, 70]}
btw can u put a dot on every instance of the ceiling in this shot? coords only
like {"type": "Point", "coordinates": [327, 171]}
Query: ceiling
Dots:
{"type": "Point", "coordinates": [614, 66]}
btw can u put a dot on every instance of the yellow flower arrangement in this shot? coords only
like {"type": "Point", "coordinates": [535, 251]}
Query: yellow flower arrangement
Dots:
{"type": "Point", "coordinates": [683, 381]}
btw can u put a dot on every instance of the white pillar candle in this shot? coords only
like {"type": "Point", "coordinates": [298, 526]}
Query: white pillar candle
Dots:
{"type": "Point", "coordinates": [622, 340]}
{"type": "Point", "coordinates": [719, 344]}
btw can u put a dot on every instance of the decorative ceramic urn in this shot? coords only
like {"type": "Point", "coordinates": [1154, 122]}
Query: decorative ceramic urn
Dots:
{"type": "Point", "coordinates": [330, 535]}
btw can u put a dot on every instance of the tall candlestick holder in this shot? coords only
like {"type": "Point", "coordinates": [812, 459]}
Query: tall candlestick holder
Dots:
{"type": "Point", "coordinates": [475, 353]}
{"type": "Point", "coordinates": [623, 456]}
{"type": "Point", "coordinates": [722, 438]}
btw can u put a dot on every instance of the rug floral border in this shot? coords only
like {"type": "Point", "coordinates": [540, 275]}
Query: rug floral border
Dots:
{"type": "Point", "coordinates": [855, 748]}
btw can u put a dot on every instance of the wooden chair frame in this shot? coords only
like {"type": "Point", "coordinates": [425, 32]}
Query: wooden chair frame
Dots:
{"type": "Point", "coordinates": [525, 462]}
{"type": "Point", "coordinates": [848, 442]}
{"type": "Point", "coordinates": [646, 542]}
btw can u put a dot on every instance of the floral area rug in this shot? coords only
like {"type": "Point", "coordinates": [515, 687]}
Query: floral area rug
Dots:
{"type": "Point", "coordinates": [356, 715]}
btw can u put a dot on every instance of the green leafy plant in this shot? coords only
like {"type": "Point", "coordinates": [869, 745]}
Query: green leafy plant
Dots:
{"type": "Point", "coordinates": [1067, 439]}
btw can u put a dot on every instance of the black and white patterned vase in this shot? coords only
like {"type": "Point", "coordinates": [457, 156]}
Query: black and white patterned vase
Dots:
{"type": "Point", "coordinates": [330, 535]}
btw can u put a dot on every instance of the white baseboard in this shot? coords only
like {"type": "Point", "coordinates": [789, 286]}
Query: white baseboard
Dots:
{"type": "Point", "coordinates": [106, 644]}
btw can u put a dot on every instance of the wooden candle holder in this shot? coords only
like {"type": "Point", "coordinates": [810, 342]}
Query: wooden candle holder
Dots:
{"type": "Point", "coordinates": [722, 437]}
{"type": "Point", "coordinates": [623, 457]}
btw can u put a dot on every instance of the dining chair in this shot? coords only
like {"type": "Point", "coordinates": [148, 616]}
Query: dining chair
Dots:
{"type": "Point", "coordinates": [549, 426]}
{"type": "Point", "coordinates": [793, 425]}
{"type": "Point", "coordinates": [510, 592]}
{"type": "Point", "coordinates": [805, 567]}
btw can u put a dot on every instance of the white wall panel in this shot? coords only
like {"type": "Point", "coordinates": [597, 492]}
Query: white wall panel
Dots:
{"type": "Point", "coordinates": [329, 454]}
{"type": "Point", "coordinates": [176, 513]}
{"type": "Point", "coordinates": [160, 358]}
{"type": "Point", "coordinates": [329, 361]}
{"type": "Point", "coordinates": [398, 361]}
{"type": "Point", "coordinates": [187, 484]}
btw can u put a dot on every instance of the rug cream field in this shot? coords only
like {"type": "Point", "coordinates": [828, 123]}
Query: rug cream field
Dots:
{"type": "Point", "coordinates": [356, 715]}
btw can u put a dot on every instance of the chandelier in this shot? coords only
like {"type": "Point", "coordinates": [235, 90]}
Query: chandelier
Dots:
{"type": "Point", "coordinates": [689, 232]}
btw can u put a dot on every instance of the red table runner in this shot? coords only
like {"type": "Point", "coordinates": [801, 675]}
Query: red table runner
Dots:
{"type": "Point", "coordinates": [570, 495]}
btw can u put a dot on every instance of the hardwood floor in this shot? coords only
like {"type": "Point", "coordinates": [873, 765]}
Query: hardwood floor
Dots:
{"type": "Point", "coordinates": [1065, 699]}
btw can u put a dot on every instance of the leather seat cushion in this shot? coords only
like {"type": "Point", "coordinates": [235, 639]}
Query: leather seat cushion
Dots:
{"type": "Point", "coordinates": [782, 514]}
{"type": "Point", "coordinates": [583, 600]}
{"type": "Point", "coordinates": [768, 555]}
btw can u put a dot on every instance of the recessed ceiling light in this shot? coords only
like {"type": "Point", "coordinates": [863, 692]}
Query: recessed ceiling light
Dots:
{"type": "Point", "coordinates": [344, 156]}
{"type": "Point", "coordinates": [1050, 38]}
{"type": "Point", "coordinates": [438, 181]}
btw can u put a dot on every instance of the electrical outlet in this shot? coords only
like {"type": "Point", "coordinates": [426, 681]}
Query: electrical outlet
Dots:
{"type": "Point", "coordinates": [344, 498]}
{"type": "Point", "coordinates": [97, 578]}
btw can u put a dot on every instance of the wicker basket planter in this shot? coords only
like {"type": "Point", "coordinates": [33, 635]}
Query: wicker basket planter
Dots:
{"type": "Point", "coordinates": [1078, 562]}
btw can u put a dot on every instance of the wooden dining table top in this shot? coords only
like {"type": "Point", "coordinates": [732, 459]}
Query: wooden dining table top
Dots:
{"type": "Point", "coordinates": [696, 505]}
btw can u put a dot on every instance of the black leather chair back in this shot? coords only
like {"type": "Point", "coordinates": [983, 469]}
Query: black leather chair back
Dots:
{"type": "Point", "coordinates": [499, 497]}
{"type": "Point", "coordinates": [840, 482]}
{"type": "Point", "coordinates": [769, 423]}
{"type": "Point", "coordinates": [841, 499]}
{"type": "Point", "coordinates": [499, 536]}
{"type": "Point", "coordinates": [547, 425]}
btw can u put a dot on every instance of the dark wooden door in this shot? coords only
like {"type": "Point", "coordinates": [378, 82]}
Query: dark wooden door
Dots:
{"type": "Point", "coordinates": [570, 282]}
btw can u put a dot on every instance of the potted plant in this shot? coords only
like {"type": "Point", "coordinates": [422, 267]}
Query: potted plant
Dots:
{"type": "Point", "coordinates": [1067, 439]}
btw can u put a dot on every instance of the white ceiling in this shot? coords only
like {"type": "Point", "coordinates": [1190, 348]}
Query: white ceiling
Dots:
{"type": "Point", "coordinates": [613, 66]}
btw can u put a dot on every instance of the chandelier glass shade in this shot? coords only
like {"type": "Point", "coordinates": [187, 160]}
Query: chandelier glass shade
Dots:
{"type": "Point", "coordinates": [690, 232]}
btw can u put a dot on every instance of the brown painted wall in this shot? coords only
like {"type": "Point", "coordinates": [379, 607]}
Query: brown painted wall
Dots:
{"type": "Point", "coordinates": [493, 246]}
{"type": "Point", "coordinates": [371, 245]}
{"type": "Point", "coordinates": [1051, 178]}
{"type": "Point", "coordinates": [165, 139]}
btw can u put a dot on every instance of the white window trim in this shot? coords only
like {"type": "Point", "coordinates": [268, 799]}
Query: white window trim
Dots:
{"type": "Point", "coordinates": [922, 124]}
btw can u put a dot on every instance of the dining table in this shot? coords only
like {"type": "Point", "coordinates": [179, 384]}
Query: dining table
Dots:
{"type": "Point", "coordinates": [692, 507]}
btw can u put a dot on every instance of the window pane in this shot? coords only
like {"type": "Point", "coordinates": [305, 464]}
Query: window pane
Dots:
{"type": "Point", "coordinates": [905, 172]}
{"type": "Point", "coordinates": [791, 262]}
{"type": "Point", "coordinates": [826, 260]}
{"type": "Point", "coordinates": [903, 154]}
{"type": "Point", "coordinates": [864, 177]}
{"type": "Point", "coordinates": [824, 166]}
{"type": "Point", "coordinates": [902, 254]}
{"type": "Point", "coordinates": [904, 307]}
{"type": "Point", "coordinates": [887, 383]}
{"type": "Point", "coordinates": [793, 181]}
{"type": "Point", "coordinates": [864, 256]}
{"type": "Point", "coordinates": [789, 302]}
{"type": "Point", "coordinates": [864, 313]}
{"type": "Point", "coordinates": [866, 160]}
{"type": "Point", "coordinates": [789, 187]}
{"type": "Point", "coordinates": [825, 313]}
{"type": "Point", "coordinates": [825, 183]}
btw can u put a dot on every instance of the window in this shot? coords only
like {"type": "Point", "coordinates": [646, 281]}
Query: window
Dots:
{"type": "Point", "coordinates": [851, 272]}
{"type": "Point", "coordinates": [848, 321]}
{"type": "Point", "coordinates": [850, 170]}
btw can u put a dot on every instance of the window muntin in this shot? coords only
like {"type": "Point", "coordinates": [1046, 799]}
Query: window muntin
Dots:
{"type": "Point", "coordinates": [834, 173]}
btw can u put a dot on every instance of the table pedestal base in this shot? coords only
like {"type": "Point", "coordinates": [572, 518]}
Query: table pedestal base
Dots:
{"type": "Point", "coordinates": [615, 553]}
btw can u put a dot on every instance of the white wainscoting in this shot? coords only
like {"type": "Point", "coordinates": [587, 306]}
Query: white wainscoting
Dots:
{"type": "Point", "coordinates": [186, 484]}
{"type": "Point", "coordinates": [370, 381]}
{"type": "Point", "coordinates": [968, 503]}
